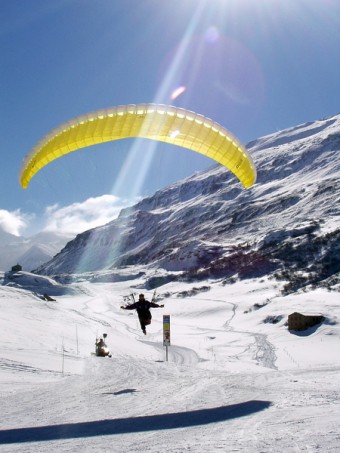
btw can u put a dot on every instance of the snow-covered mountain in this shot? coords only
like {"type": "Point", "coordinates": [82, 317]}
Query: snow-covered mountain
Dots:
{"type": "Point", "coordinates": [208, 225]}
{"type": "Point", "coordinates": [29, 252]}
{"type": "Point", "coordinates": [236, 377]}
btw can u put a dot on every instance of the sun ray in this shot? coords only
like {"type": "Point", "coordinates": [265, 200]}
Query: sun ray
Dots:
{"type": "Point", "coordinates": [161, 97]}
{"type": "Point", "coordinates": [127, 180]}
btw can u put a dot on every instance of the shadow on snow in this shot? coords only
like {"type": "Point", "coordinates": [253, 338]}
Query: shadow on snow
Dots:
{"type": "Point", "coordinates": [131, 425]}
{"type": "Point", "coordinates": [121, 392]}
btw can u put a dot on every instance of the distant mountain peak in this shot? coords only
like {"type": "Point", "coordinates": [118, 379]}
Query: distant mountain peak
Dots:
{"type": "Point", "coordinates": [30, 252]}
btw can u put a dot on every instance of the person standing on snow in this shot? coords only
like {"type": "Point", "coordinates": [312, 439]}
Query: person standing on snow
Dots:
{"type": "Point", "coordinates": [143, 310]}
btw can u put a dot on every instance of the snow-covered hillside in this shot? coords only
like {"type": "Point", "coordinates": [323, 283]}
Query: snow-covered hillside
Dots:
{"type": "Point", "coordinates": [230, 266]}
{"type": "Point", "coordinates": [236, 380]}
{"type": "Point", "coordinates": [208, 226]}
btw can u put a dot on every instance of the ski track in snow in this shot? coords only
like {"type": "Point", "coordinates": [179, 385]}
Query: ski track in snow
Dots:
{"type": "Point", "coordinates": [222, 390]}
{"type": "Point", "coordinates": [264, 350]}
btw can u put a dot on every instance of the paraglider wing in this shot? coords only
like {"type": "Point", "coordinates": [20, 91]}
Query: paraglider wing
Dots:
{"type": "Point", "coordinates": [164, 123]}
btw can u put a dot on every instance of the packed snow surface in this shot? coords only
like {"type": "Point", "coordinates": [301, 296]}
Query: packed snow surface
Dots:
{"type": "Point", "coordinates": [236, 379]}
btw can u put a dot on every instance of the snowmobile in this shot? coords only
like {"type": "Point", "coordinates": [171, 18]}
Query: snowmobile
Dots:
{"type": "Point", "coordinates": [101, 347]}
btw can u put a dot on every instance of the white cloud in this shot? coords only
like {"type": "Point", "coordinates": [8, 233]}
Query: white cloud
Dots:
{"type": "Point", "coordinates": [13, 222]}
{"type": "Point", "coordinates": [79, 217]}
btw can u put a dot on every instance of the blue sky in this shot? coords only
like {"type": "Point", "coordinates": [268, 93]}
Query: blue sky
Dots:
{"type": "Point", "coordinates": [254, 66]}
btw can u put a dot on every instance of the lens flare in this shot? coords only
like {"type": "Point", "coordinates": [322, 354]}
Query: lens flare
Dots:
{"type": "Point", "coordinates": [177, 92]}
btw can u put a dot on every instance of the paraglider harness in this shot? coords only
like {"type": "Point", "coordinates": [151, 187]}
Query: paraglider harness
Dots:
{"type": "Point", "coordinates": [143, 309]}
{"type": "Point", "coordinates": [101, 348]}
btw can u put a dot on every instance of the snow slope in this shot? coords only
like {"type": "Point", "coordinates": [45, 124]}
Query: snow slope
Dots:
{"type": "Point", "coordinates": [234, 380]}
{"type": "Point", "coordinates": [230, 266]}
{"type": "Point", "coordinates": [208, 223]}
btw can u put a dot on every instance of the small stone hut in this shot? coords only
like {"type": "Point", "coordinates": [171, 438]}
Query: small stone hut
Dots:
{"type": "Point", "coordinates": [298, 321]}
{"type": "Point", "coordinates": [16, 268]}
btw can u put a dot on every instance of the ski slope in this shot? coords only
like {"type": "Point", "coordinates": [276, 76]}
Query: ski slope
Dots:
{"type": "Point", "coordinates": [233, 383]}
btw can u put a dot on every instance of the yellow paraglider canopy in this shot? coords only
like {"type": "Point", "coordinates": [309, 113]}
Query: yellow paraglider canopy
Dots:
{"type": "Point", "coordinates": [164, 123]}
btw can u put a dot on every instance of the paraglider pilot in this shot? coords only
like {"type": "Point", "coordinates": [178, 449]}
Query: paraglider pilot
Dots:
{"type": "Point", "coordinates": [143, 310]}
